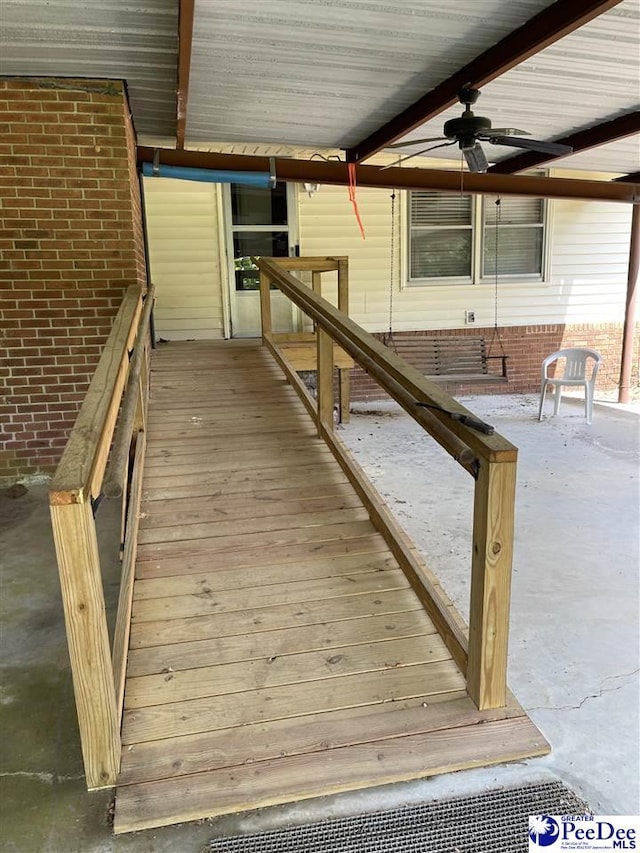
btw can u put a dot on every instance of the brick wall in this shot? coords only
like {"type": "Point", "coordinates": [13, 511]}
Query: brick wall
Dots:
{"type": "Point", "coordinates": [526, 347]}
{"type": "Point", "coordinates": [70, 244]}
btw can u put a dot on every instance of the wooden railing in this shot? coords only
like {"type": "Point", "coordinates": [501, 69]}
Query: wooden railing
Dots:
{"type": "Point", "coordinates": [94, 465]}
{"type": "Point", "coordinates": [489, 458]}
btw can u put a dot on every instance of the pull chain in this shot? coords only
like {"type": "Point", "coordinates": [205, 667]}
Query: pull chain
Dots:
{"type": "Point", "coordinates": [392, 262]}
{"type": "Point", "coordinates": [497, 242]}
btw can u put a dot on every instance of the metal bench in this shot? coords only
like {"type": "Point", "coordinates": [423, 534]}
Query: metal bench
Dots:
{"type": "Point", "coordinates": [449, 359]}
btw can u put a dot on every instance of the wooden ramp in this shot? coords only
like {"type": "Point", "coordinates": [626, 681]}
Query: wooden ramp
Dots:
{"type": "Point", "coordinates": [277, 651]}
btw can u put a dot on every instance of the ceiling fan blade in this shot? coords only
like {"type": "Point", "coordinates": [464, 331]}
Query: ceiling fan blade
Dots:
{"type": "Point", "coordinates": [476, 161]}
{"type": "Point", "coordinates": [552, 148]}
{"type": "Point", "coordinates": [417, 154]}
{"type": "Point", "coordinates": [503, 131]}
{"type": "Point", "coordinates": [415, 142]}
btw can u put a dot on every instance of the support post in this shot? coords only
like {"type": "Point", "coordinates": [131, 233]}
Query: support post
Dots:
{"type": "Point", "coordinates": [76, 544]}
{"type": "Point", "coordinates": [265, 305]}
{"type": "Point", "coordinates": [344, 380]}
{"type": "Point", "coordinates": [316, 286]}
{"type": "Point", "coordinates": [324, 379]}
{"type": "Point", "coordinates": [628, 334]}
{"type": "Point", "coordinates": [343, 286]}
{"type": "Point", "coordinates": [492, 554]}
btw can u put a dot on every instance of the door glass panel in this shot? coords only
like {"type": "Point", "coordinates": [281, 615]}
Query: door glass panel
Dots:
{"type": "Point", "coordinates": [255, 206]}
{"type": "Point", "coordinates": [272, 244]}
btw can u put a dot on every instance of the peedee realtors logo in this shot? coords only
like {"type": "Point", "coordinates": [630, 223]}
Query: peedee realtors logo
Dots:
{"type": "Point", "coordinates": [583, 832]}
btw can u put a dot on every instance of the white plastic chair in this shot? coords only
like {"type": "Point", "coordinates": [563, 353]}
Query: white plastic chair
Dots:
{"type": "Point", "coordinates": [574, 373]}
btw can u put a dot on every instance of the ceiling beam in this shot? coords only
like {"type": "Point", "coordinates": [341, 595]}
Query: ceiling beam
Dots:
{"type": "Point", "coordinates": [591, 137]}
{"type": "Point", "coordinates": [332, 172]}
{"type": "Point", "coordinates": [185, 40]}
{"type": "Point", "coordinates": [549, 25]}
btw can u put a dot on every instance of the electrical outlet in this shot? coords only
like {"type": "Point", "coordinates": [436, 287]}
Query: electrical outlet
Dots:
{"type": "Point", "coordinates": [469, 317]}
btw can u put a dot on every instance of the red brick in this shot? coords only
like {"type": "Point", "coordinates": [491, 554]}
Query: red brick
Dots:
{"type": "Point", "coordinates": [57, 317]}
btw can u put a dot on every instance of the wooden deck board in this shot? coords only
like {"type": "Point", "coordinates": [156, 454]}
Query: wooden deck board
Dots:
{"type": "Point", "coordinates": [277, 651]}
{"type": "Point", "coordinates": [326, 635]}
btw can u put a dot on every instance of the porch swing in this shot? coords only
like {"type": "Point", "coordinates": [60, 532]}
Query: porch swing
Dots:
{"type": "Point", "coordinates": [448, 359]}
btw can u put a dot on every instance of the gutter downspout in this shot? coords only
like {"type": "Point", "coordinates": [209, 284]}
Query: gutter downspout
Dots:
{"type": "Point", "coordinates": [630, 309]}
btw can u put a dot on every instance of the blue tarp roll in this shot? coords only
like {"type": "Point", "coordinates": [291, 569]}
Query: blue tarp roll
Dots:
{"type": "Point", "coordinates": [210, 176]}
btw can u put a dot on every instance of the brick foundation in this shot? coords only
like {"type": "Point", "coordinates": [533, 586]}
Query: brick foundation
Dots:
{"type": "Point", "coordinates": [526, 347]}
{"type": "Point", "coordinates": [71, 243]}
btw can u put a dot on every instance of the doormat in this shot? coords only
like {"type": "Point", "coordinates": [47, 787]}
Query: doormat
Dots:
{"type": "Point", "coordinates": [492, 822]}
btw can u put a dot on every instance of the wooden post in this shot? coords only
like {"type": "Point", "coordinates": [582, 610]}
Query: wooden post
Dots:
{"type": "Point", "coordinates": [343, 285]}
{"type": "Point", "coordinates": [493, 522]}
{"type": "Point", "coordinates": [344, 377]}
{"type": "Point", "coordinates": [265, 305]}
{"type": "Point", "coordinates": [316, 286]}
{"type": "Point", "coordinates": [74, 533]}
{"type": "Point", "coordinates": [325, 379]}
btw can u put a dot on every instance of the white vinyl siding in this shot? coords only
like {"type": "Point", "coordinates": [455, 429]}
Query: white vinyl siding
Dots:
{"type": "Point", "coordinates": [184, 256]}
{"type": "Point", "coordinates": [588, 254]}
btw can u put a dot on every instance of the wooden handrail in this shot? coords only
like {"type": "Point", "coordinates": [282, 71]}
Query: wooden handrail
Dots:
{"type": "Point", "coordinates": [77, 481]}
{"type": "Point", "coordinates": [491, 459]}
{"type": "Point", "coordinates": [115, 476]}
{"type": "Point", "coordinates": [363, 346]}
{"type": "Point", "coordinates": [79, 473]}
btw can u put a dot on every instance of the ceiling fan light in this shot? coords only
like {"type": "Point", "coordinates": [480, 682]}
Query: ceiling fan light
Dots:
{"type": "Point", "coordinates": [476, 160]}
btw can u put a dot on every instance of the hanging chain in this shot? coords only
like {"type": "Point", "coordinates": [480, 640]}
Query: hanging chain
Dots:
{"type": "Point", "coordinates": [497, 242]}
{"type": "Point", "coordinates": [392, 262]}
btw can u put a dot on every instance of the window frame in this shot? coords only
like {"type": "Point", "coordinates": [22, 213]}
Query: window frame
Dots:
{"type": "Point", "coordinates": [478, 240]}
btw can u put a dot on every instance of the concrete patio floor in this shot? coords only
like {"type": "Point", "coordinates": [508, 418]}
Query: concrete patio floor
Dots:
{"type": "Point", "coordinates": [574, 641]}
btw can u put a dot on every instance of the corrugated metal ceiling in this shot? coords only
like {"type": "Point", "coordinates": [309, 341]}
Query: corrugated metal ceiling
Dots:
{"type": "Point", "coordinates": [590, 76]}
{"type": "Point", "coordinates": [136, 42]}
{"type": "Point", "coordinates": [326, 73]}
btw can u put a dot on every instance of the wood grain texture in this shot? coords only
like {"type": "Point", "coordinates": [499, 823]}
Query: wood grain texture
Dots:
{"type": "Point", "coordinates": [422, 580]}
{"type": "Point", "coordinates": [290, 700]}
{"type": "Point", "coordinates": [342, 769]}
{"type": "Point", "coordinates": [297, 667]}
{"type": "Point", "coordinates": [76, 544]}
{"type": "Point", "coordinates": [85, 456]}
{"type": "Point", "coordinates": [287, 502]}
{"type": "Point", "coordinates": [207, 601]}
{"type": "Point", "coordinates": [245, 557]}
{"type": "Point", "coordinates": [324, 368]}
{"type": "Point", "coordinates": [277, 649]}
{"type": "Point", "coordinates": [286, 641]}
{"type": "Point", "coordinates": [209, 483]}
{"type": "Point", "coordinates": [243, 622]}
{"type": "Point", "coordinates": [258, 576]}
{"type": "Point", "coordinates": [127, 576]}
{"type": "Point", "coordinates": [493, 523]}
{"type": "Point", "coordinates": [314, 733]}
{"type": "Point", "coordinates": [230, 543]}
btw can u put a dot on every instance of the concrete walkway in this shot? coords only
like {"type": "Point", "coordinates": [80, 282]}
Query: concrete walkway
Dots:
{"type": "Point", "coordinates": [574, 649]}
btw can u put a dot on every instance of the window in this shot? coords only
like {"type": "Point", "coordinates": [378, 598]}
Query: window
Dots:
{"type": "Point", "coordinates": [453, 238]}
{"type": "Point", "coordinates": [259, 226]}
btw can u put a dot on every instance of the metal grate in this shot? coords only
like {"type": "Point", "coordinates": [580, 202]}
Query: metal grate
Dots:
{"type": "Point", "coordinates": [492, 822]}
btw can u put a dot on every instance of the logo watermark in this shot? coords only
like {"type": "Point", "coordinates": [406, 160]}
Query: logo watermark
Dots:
{"type": "Point", "coordinates": [583, 832]}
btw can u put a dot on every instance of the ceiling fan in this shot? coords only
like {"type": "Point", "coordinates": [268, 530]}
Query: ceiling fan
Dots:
{"type": "Point", "coordinates": [470, 130]}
